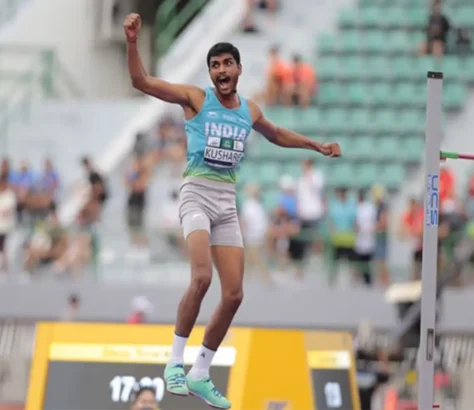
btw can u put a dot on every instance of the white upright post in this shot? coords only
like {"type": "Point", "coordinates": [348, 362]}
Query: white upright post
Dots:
{"type": "Point", "coordinates": [429, 265]}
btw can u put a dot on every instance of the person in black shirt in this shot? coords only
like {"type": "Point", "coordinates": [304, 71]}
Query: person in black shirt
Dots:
{"type": "Point", "coordinates": [99, 190]}
{"type": "Point", "coordinates": [436, 32]}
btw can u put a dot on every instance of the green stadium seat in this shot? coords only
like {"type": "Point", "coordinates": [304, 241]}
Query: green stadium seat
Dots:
{"type": "Point", "coordinates": [366, 175]}
{"type": "Point", "coordinates": [352, 68]}
{"type": "Point", "coordinates": [391, 175]}
{"type": "Point", "coordinates": [328, 68]}
{"type": "Point", "coordinates": [411, 149]}
{"type": "Point", "coordinates": [363, 147]}
{"type": "Point", "coordinates": [387, 148]}
{"type": "Point", "coordinates": [378, 68]}
{"type": "Point", "coordinates": [404, 94]}
{"type": "Point", "coordinates": [342, 175]}
{"type": "Point", "coordinates": [416, 17]}
{"type": "Point", "coordinates": [293, 169]}
{"type": "Point", "coordinates": [357, 94]}
{"type": "Point", "coordinates": [311, 117]}
{"type": "Point", "coordinates": [403, 68]}
{"type": "Point", "coordinates": [467, 69]}
{"type": "Point", "coordinates": [350, 42]}
{"type": "Point", "coordinates": [410, 122]}
{"type": "Point", "coordinates": [384, 120]}
{"type": "Point", "coordinates": [327, 44]}
{"type": "Point", "coordinates": [454, 96]}
{"type": "Point", "coordinates": [335, 121]}
{"type": "Point", "coordinates": [464, 16]}
{"type": "Point", "coordinates": [347, 145]}
{"type": "Point", "coordinates": [419, 99]}
{"type": "Point", "coordinates": [359, 121]}
{"type": "Point", "coordinates": [330, 93]}
{"type": "Point", "coordinates": [370, 17]}
{"type": "Point", "coordinates": [392, 17]}
{"type": "Point", "coordinates": [245, 174]}
{"type": "Point", "coordinates": [375, 42]}
{"type": "Point", "coordinates": [381, 94]}
{"type": "Point", "coordinates": [398, 42]}
{"type": "Point", "coordinates": [284, 116]}
{"type": "Point", "coordinates": [267, 173]}
{"type": "Point", "coordinates": [348, 18]}
{"type": "Point", "coordinates": [270, 199]}
{"type": "Point", "coordinates": [451, 66]}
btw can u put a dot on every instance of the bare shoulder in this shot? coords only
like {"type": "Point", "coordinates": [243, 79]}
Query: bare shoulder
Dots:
{"type": "Point", "coordinates": [255, 110]}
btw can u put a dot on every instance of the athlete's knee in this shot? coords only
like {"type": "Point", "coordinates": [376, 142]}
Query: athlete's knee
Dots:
{"type": "Point", "coordinates": [201, 277]}
{"type": "Point", "coordinates": [233, 297]}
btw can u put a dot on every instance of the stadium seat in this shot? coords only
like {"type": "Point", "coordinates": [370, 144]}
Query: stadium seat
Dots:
{"type": "Point", "coordinates": [350, 42]}
{"type": "Point", "coordinates": [342, 174]}
{"type": "Point", "coordinates": [410, 122]}
{"type": "Point", "coordinates": [335, 121]}
{"type": "Point", "coordinates": [352, 68]}
{"type": "Point", "coordinates": [392, 17]}
{"type": "Point", "coordinates": [360, 121]}
{"type": "Point", "coordinates": [416, 17]}
{"type": "Point", "coordinates": [330, 93]}
{"type": "Point", "coordinates": [384, 120]}
{"type": "Point", "coordinates": [454, 96]}
{"type": "Point", "coordinates": [391, 175]}
{"type": "Point", "coordinates": [411, 148]}
{"type": "Point", "coordinates": [404, 94]}
{"type": "Point", "coordinates": [375, 42]}
{"type": "Point", "coordinates": [348, 18]}
{"type": "Point", "coordinates": [363, 148]}
{"type": "Point", "coordinates": [403, 68]}
{"type": "Point", "coordinates": [267, 173]}
{"type": "Point", "coordinates": [370, 17]}
{"type": "Point", "coordinates": [357, 94]}
{"type": "Point", "coordinates": [378, 67]}
{"type": "Point", "coordinates": [387, 148]}
{"type": "Point", "coordinates": [464, 16]}
{"type": "Point", "coordinates": [327, 44]}
{"type": "Point", "coordinates": [328, 68]}
{"type": "Point", "coordinates": [398, 42]}
{"type": "Point", "coordinates": [366, 175]}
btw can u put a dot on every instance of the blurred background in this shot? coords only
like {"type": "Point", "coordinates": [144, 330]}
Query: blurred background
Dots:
{"type": "Point", "coordinates": [90, 174]}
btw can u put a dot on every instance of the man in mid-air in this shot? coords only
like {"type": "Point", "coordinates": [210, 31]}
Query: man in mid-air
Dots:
{"type": "Point", "coordinates": [218, 123]}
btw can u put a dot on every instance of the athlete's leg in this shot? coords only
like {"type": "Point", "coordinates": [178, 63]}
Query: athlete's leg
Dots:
{"type": "Point", "coordinates": [196, 227]}
{"type": "Point", "coordinates": [228, 255]}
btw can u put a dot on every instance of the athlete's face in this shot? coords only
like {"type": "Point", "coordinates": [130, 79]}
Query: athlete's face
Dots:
{"type": "Point", "coordinates": [225, 73]}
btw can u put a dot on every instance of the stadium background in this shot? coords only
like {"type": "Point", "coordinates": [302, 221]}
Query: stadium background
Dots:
{"type": "Point", "coordinates": [64, 93]}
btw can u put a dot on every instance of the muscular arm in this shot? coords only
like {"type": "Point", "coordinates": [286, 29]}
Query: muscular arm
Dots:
{"type": "Point", "coordinates": [163, 90]}
{"type": "Point", "coordinates": [281, 136]}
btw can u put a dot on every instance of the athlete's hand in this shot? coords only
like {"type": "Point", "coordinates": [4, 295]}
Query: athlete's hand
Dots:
{"type": "Point", "coordinates": [132, 26]}
{"type": "Point", "coordinates": [332, 150]}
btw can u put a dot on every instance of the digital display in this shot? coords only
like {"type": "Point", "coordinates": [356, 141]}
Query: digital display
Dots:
{"type": "Point", "coordinates": [104, 376]}
{"type": "Point", "coordinates": [332, 389]}
{"type": "Point", "coordinates": [109, 386]}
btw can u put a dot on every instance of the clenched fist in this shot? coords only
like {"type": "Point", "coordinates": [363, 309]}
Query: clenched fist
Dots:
{"type": "Point", "coordinates": [332, 150]}
{"type": "Point", "coordinates": [132, 26]}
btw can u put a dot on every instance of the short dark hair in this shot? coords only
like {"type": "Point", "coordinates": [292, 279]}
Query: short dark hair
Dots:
{"type": "Point", "coordinates": [85, 160]}
{"type": "Point", "coordinates": [297, 58]}
{"type": "Point", "coordinates": [141, 389]}
{"type": "Point", "coordinates": [223, 48]}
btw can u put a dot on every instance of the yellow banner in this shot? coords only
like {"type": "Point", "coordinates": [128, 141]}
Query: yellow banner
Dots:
{"type": "Point", "coordinates": [329, 359]}
{"type": "Point", "coordinates": [127, 353]}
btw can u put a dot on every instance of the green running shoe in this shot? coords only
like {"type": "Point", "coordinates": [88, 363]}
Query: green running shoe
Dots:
{"type": "Point", "coordinates": [206, 391]}
{"type": "Point", "coordinates": [175, 379]}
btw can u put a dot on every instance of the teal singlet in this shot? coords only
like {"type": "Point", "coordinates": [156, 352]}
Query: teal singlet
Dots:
{"type": "Point", "coordinates": [216, 139]}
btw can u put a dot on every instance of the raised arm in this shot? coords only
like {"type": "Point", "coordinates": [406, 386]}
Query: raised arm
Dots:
{"type": "Point", "coordinates": [287, 138]}
{"type": "Point", "coordinates": [184, 95]}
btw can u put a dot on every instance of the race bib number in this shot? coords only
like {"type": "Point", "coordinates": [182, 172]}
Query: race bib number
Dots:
{"type": "Point", "coordinates": [224, 153]}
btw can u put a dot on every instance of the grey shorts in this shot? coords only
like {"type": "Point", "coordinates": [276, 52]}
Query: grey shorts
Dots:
{"type": "Point", "coordinates": [210, 205]}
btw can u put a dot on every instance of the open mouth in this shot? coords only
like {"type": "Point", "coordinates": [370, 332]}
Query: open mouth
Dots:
{"type": "Point", "coordinates": [223, 81]}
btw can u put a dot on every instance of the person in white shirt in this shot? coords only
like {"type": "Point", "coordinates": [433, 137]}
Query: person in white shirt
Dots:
{"type": "Point", "coordinates": [7, 217]}
{"type": "Point", "coordinates": [366, 223]}
{"type": "Point", "coordinates": [309, 200]}
{"type": "Point", "coordinates": [254, 221]}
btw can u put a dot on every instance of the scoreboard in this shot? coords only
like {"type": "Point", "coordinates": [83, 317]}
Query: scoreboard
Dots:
{"type": "Point", "coordinates": [95, 367]}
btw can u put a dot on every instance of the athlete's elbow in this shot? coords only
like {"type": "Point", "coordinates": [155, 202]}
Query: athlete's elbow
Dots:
{"type": "Point", "coordinates": [138, 82]}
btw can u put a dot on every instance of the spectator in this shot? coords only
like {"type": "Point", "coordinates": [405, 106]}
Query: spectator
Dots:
{"type": "Point", "coordinates": [171, 223]}
{"type": "Point", "coordinates": [171, 145]}
{"type": "Point", "coordinates": [141, 309]}
{"type": "Point", "coordinates": [309, 199]}
{"type": "Point", "coordinates": [300, 84]}
{"type": "Point", "coordinates": [7, 217]}
{"type": "Point", "coordinates": [446, 185]}
{"type": "Point", "coordinates": [287, 199]}
{"type": "Point", "coordinates": [43, 195]}
{"type": "Point", "coordinates": [5, 169]}
{"type": "Point", "coordinates": [78, 255]}
{"type": "Point", "coordinates": [23, 183]}
{"type": "Point", "coordinates": [72, 310]}
{"type": "Point", "coordinates": [412, 228]}
{"type": "Point", "coordinates": [281, 234]}
{"type": "Point", "coordinates": [277, 77]}
{"type": "Point", "coordinates": [436, 32]}
{"type": "Point", "coordinates": [97, 197]}
{"type": "Point", "coordinates": [136, 181]}
{"type": "Point", "coordinates": [342, 214]}
{"type": "Point", "coordinates": [249, 21]}
{"type": "Point", "coordinates": [366, 223]}
{"type": "Point", "coordinates": [381, 238]}
{"type": "Point", "coordinates": [254, 222]}
{"type": "Point", "coordinates": [48, 243]}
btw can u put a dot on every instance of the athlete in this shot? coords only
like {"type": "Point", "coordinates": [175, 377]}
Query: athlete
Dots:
{"type": "Point", "coordinates": [218, 123]}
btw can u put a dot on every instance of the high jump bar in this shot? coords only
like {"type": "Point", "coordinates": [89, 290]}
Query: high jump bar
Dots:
{"type": "Point", "coordinates": [455, 155]}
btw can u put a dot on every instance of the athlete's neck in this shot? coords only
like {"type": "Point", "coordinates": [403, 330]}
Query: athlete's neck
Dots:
{"type": "Point", "coordinates": [231, 101]}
